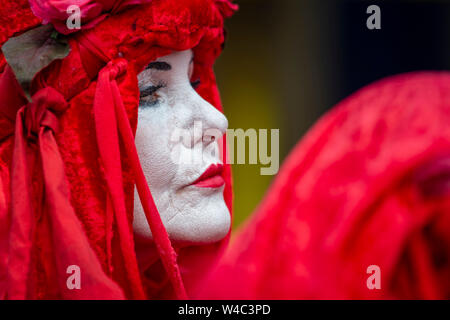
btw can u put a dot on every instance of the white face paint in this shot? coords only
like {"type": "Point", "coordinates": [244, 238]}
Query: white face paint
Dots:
{"type": "Point", "coordinates": [192, 211]}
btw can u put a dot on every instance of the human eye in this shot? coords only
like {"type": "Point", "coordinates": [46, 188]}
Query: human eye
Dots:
{"type": "Point", "coordinates": [149, 96]}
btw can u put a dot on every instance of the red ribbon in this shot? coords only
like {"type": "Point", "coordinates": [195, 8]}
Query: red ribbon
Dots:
{"type": "Point", "coordinates": [35, 148]}
{"type": "Point", "coordinates": [111, 121]}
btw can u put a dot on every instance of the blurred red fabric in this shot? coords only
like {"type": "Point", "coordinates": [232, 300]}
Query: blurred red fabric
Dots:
{"type": "Point", "coordinates": [368, 185]}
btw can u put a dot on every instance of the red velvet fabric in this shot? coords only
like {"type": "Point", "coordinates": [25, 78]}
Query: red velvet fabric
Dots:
{"type": "Point", "coordinates": [94, 161]}
{"type": "Point", "coordinates": [368, 185]}
{"type": "Point", "coordinates": [91, 11]}
{"type": "Point", "coordinates": [15, 17]}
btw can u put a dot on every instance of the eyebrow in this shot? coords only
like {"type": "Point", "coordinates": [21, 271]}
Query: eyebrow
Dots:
{"type": "Point", "coordinates": [159, 65]}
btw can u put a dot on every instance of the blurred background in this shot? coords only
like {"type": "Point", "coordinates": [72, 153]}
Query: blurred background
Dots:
{"type": "Point", "coordinates": [286, 62]}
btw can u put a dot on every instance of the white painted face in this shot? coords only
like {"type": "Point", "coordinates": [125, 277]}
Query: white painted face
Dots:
{"type": "Point", "coordinates": [190, 201]}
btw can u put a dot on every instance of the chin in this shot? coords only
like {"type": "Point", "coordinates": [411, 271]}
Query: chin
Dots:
{"type": "Point", "coordinates": [203, 219]}
{"type": "Point", "coordinates": [192, 216]}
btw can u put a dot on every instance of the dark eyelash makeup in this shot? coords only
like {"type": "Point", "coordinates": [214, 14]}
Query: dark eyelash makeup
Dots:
{"type": "Point", "coordinates": [150, 90]}
{"type": "Point", "coordinates": [149, 96]}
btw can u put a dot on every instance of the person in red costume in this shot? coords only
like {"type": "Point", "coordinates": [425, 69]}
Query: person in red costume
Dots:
{"type": "Point", "coordinates": [364, 195]}
{"type": "Point", "coordinates": [84, 137]}
{"type": "Point", "coordinates": [85, 115]}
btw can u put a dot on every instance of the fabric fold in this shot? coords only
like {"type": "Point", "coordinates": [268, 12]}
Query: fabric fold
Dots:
{"type": "Point", "coordinates": [35, 149]}
{"type": "Point", "coordinates": [111, 120]}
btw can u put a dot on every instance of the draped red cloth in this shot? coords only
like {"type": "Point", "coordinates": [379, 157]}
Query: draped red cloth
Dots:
{"type": "Point", "coordinates": [91, 11]}
{"type": "Point", "coordinates": [369, 185]}
{"type": "Point", "coordinates": [110, 120]}
{"type": "Point", "coordinates": [35, 150]}
{"type": "Point", "coordinates": [66, 198]}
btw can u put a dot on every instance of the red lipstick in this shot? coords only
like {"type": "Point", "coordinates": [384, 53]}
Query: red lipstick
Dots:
{"type": "Point", "coordinates": [211, 178]}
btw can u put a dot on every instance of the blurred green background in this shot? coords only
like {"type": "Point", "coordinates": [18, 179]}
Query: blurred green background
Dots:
{"type": "Point", "coordinates": [288, 61]}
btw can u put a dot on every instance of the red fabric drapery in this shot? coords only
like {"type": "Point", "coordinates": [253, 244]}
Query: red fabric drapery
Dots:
{"type": "Point", "coordinates": [36, 150]}
{"type": "Point", "coordinates": [111, 121]}
{"type": "Point", "coordinates": [368, 185]}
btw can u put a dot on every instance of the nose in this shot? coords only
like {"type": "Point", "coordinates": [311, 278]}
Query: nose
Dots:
{"type": "Point", "coordinates": [214, 123]}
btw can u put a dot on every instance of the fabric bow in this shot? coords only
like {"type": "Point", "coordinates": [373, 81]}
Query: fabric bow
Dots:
{"type": "Point", "coordinates": [36, 154]}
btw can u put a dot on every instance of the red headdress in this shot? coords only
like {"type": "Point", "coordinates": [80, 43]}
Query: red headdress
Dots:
{"type": "Point", "coordinates": [368, 187]}
{"type": "Point", "coordinates": [68, 163]}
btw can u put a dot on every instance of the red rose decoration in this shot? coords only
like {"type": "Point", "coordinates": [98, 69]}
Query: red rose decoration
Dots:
{"type": "Point", "coordinates": [90, 12]}
{"type": "Point", "coordinates": [226, 7]}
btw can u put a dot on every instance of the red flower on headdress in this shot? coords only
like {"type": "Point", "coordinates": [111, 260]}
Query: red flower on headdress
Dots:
{"type": "Point", "coordinates": [226, 7]}
{"type": "Point", "coordinates": [90, 12]}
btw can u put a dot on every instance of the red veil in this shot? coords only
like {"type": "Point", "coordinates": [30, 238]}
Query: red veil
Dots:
{"type": "Point", "coordinates": [68, 163]}
{"type": "Point", "coordinates": [367, 187]}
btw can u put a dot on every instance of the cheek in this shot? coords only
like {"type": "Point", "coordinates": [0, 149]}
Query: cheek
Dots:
{"type": "Point", "coordinates": [153, 146]}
